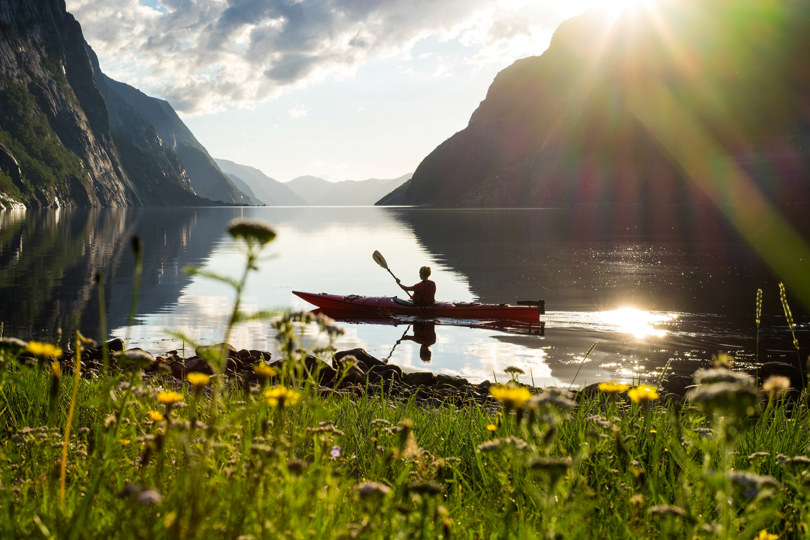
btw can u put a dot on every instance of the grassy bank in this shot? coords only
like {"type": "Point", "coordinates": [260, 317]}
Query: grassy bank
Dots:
{"type": "Point", "coordinates": [144, 461]}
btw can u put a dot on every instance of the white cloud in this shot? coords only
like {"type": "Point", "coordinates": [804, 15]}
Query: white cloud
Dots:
{"type": "Point", "coordinates": [207, 55]}
{"type": "Point", "coordinates": [298, 111]}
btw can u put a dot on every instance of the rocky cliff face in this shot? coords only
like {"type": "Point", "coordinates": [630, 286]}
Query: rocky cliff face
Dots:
{"type": "Point", "coordinates": [68, 137]}
{"type": "Point", "coordinates": [596, 118]}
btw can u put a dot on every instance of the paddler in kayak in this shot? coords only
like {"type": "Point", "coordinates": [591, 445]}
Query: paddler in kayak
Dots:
{"type": "Point", "coordinates": [424, 292]}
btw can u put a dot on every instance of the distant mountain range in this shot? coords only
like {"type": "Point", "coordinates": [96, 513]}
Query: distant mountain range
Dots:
{"type": "Point", "coordinates": [309, 190]}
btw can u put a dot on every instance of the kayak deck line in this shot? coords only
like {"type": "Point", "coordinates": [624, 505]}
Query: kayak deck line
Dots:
{"type": "Point", "coordinates": [357, 304]}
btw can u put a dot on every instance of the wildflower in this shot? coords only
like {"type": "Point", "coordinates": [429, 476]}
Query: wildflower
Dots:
{"type": "Point", "coordinates": [334, 453]}
{"type": "Point", "coordinates": [280, 396]}
{"type": "Point", "coordinates": [512, 397]}
{"type": "Point", "coordinates": [56, 369]}
{"type": "Point", "coordinates": [553, 467]}
{"type": "Point", "coordinates": [776, 386]}
{"type": "Point", "coordinates": [43, 350]}
{"type": "Point", "coordinates": [252, 231]}
{"type": "Point", "coordinates": [514, 371]}
{"type": "Point", "coordinates": [613, 387]}
{"type": "Point", "coordinates": [758, 455]}
{"type": "Point", "coordinates": [124, 442]}
{"type": "Point", "coordinates": [729, 398]}
{"type": "Point", "coordinates": [263, 371]}
{"type": "Point", "coordinates": [642, 393]}
{"type": "Point", "coordinates": [491, 427]}
{"type": "Point", "coordinates": [718, 375]}
{"type": "Point", "coordinates": [765, 535]}
{"type": "Point", "coordinates": [169, 398]}
{"type": "Point", "coordinates": [666, 510]}
{"type": "Point", "coordinates": [425, 488]}
{"type": "Point", "coordinates": [653, 431]}
{"type": "Point", "coordinates": [198, 380]}
{"type": "Point", "coordinates": [156, 416]}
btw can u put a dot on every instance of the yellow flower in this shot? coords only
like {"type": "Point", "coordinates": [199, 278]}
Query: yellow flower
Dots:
{"type": "Point", "coordinates": [56, 369]}
{"type": "Point", "coordinates": [156, 416]}
{"type": "Point", "coordinates": [197, 379]}
{"type": "Point", "coordinates": [765, 535]}
{"type": "Point", "coordinates": [491, 427]}
{"type": "Point", "coordinates": [653, 431]}
{"type": "Point", "coordinates": [169, 398]}
{"type": "Point", "coordinates": [263, 371]}
{"type": "Point", "coordinates": [613, 387]}
{"type": "Point", "coordinates": [512, 397]}
{"type": "Point", "coordinates": [124, 442]}
{"type": "Point", "coordinates": [280, 396]}
{"type": "Point", "coordinates": [43, 350]}
{"type": "Point", "coordinates": [642, 393]}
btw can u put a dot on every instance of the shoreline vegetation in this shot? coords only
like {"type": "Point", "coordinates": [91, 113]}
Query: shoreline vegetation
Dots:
{"type": "Point", "coordinates": [100, 440]}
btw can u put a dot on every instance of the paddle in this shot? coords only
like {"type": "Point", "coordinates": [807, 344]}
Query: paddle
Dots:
{"type": "Point", "coordinates": [379, 259]}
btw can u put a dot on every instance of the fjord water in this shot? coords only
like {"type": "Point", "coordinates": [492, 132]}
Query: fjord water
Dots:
{"type": "Point", "coordinates": [646, 296]}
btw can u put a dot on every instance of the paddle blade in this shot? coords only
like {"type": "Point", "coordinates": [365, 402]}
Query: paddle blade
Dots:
{"type": "Point", "coordinates": [379, 259]}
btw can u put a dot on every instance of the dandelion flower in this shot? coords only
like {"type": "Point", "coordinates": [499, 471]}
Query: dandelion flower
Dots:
{"type": "Point", "coordinates": [280, 396]}
{"type": "Point", "coordinates": [613, 387]}
{"type": "Point", "coordinates": [765, 535]}
{"type": "Point", "coordinates": [491, 427]}
{"type": "Point", "coordinates": [43, 350]}
{"type": "Point", "coordinates": [263, 371]}
{"type": "Point", "coordinates": [156, 416]}
{"type": "Point", "coordinates": [169, 398]}
{"type": "Point", "coordinates": [198, 379]}
{"type": "Point", "coordinates": [512, 397]}
{"type": "Point", "coordinates": [642, 393]}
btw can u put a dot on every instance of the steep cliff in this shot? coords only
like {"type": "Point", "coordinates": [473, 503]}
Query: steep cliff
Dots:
{"type": "Point", "coordinates": [594, 120]}
{"type": "Point", "coordinates": [69, 136]}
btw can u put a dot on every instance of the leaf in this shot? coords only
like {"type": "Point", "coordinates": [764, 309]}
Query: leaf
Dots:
{"type": "Point", "coordinates": [195, 271]}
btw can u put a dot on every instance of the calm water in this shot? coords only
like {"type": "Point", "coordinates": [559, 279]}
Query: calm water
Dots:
{"type": "Point", "coordinates": [645, 296]}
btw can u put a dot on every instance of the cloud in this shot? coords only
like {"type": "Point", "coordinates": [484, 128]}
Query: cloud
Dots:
{"type": "Point", "coordinates": [298, 111]}
{"type": "Point", "coordinates": [207, 55]}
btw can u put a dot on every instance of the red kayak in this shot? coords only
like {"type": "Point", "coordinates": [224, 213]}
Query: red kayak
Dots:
{"type": "Point", "coordinates": [391, 305]}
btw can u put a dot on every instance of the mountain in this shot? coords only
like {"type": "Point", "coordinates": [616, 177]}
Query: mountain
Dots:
{"type": "Point", "coordinates": [692, 101]}
{"type": "Point", "coordinates": [264, 188]}
{"type": "Point", "coordinates": [320, 192]}
{"type": "Point", "coordinates": [70, 136]}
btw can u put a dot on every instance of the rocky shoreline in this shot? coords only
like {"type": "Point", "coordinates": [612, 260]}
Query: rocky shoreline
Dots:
{"type": "Point", "coordinates": [352, 372]}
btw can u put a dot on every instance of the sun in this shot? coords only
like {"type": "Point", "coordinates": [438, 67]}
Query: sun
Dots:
{"type": "Point", "coordinates": [617, 7]}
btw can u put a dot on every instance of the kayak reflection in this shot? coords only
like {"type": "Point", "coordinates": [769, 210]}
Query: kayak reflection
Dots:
{"type": "Point", "coordinates": [423, 331]}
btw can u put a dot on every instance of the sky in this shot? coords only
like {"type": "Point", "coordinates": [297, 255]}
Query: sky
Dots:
{"type": "Point", "coordinates": [339, 89]}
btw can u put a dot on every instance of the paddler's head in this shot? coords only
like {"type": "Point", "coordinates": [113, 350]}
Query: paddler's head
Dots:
{"type": "Point", "coordinates": [424, 272]}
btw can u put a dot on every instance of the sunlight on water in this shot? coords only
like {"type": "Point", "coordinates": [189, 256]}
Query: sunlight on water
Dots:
{"type": "Point", "coordinates": [636, 322]}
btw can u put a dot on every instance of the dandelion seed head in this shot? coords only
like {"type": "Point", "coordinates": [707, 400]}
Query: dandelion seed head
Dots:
{"type": "Point", "coordinates": [252, 231]}
{"type": "Point", "coordinates": [776, 386]}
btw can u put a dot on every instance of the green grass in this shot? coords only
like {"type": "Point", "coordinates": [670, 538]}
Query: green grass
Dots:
{"type": "Point", "coordinates": [303, 470]}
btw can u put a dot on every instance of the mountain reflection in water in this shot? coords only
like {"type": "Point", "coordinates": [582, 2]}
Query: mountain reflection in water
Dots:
{"type": "Point", "coordinates": [647, 297]}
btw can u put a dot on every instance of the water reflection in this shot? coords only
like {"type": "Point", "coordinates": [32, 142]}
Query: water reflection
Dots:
{"type": "Point", "coordinates": [691, 295]}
